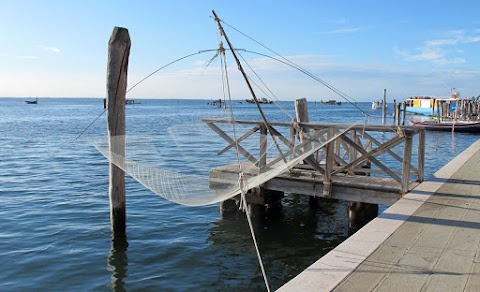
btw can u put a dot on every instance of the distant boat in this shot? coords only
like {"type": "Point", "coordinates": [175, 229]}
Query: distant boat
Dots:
{"type": "Point", "coordinates": [216, 102]}
{"type": "Point", "coordinates": [331, 102]}
{"type": "Point", "coordinates": [377, 104]}
{"type": "Point", "coordinates": [260, 100]}
{"type": "Point", "coordinates": [451, 126]}
{"type": "Point", "coordinates": [31, 101]}
{"type": "Point", "coordinates": [131, 101]}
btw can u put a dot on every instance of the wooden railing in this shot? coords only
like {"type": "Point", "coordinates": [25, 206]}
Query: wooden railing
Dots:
{"type": "Point", "coordinates": [373, 150]}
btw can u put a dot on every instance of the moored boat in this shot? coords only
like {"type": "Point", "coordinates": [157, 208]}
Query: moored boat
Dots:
{"type": "Point", "coordinates": [430, 105]}
{"type": "Point", "coordinates": [262, 100]}
{"type": "Point", "coordinates": [452, 126]}
{"type": "Point", "coordinates": [32, 101]}
{"type": "Point", "coordinates": [331, 102]}
{"type": "Point", "coordinates": [378, 104]}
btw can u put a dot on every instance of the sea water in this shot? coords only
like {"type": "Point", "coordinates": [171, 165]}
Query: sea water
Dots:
{"type": "Point", "coordinates": [54, 219]}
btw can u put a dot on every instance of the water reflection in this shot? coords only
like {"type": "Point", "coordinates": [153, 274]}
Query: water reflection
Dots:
{"type": "Point", "coordinates": [117, 262]}
{"type": "Point", "coordinates": [300, 235]}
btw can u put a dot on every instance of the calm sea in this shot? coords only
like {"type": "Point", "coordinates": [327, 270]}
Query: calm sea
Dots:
{"type": "Point", "coordinates": [54, 218]}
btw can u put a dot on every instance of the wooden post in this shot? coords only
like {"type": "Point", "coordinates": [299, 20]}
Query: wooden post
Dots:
{"type": "Point", "coordinates": [398, 113]}
{"type": "Point", "coordinates": [394, 111]}
{"type": "Point", "coordinates": [352, 152]}
{"type": "Point", "coordinates": [118, 53]}
{"type": "Point", "coordinates": [421, 156]}
{"type": "Point", "coordinates": [301, 111]}
{"type": "Point", "coordinates": [329, 161]}
{"type": "Point", "coordinates": [384, 107]}
{"type": "Point", "coordinates": [263, 147]}
{"type": "Point", "coordinates": [407, 158]}
{"type": "Point", "coordinates": [404, 109]}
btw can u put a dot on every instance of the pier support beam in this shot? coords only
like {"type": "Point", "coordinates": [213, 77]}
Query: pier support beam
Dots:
{"type": "Point", "coordinates": [261, 203]}
{"type": "Point", "coordinates": [118, 53]}
{"type": "Point", "coordinates": [360, 213]}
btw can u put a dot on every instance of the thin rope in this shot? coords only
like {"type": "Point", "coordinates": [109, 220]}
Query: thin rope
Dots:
{"type": "Point", "coordinates": [349, 99]}
{"type": "Point", "coordinates": [264, 84]}
{"type": "Point", "coordinates": [247, 212]}
{"type": "Point", "coordinates": [91, 124]}
{"type": "Point", "coordinates": [292, 64]}
{"type": "Point", "coordinates": [171, 63]}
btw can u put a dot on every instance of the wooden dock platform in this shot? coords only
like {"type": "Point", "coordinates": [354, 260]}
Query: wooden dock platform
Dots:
{"type": "Point", "coordinates": [427, 241]}
{"type": "Point", "coordinates": [375, 164]}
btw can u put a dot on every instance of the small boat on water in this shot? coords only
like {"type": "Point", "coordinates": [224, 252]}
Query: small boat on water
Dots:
{"type": "Point", "coordinates": [331, 102]}
{"type": "Point", "coordinates": [378, 104]}
{"type": "Point", "coordinates": [31, 101]}
{"type": "Point", "coordinates": [429, 105]}
{"type": "Point", "coordinates": [216, 102]}
{"type": "Point", "coordinates": [451, 126]}
{"type": "Point", "coordinates": [262, 100]}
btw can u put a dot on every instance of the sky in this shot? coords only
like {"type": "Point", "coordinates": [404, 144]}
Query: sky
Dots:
{"type": "Point", "coordinates": [59, 48]}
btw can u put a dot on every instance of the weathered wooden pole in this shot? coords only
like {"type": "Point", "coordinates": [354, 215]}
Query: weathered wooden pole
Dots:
{"type": "Point", "coordinates": [384, 107]}
{"type": "Point", "coordinates": [404, 109]}
{"type": "Point", "coordinates": [301, 112]}
{"type": "Point", "coordinates": [118, 53]}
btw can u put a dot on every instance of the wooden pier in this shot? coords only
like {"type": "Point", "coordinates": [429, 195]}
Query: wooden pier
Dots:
{"type": "Point", "coordinates": [375, 164]}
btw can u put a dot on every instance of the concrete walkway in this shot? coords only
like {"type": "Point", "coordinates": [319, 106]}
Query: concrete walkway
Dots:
{"type": "Point", "coordinates": [427, 241]}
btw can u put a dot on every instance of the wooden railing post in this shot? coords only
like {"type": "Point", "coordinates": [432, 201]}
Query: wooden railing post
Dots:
{"type": "Point", "coordinates": [407, 158]}
{"type": "Point", "coordinates": [421, 155]}
{"type": "Point", "coordinates": [263, 147]}
{"type": "Point", "coordinates": [329, 161]}
{"type": "Point", "coordinates": [118, 53]}
{"type": "Point", "coordinates": [352, 152]}
{"type": "Point", "coordinates": [301, 112]}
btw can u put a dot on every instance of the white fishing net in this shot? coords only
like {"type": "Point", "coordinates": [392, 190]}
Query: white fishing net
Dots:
{"type": "Point", "coordinates": [183, 166]}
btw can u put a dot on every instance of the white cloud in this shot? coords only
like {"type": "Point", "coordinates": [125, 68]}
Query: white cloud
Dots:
{"type": "Point", "coordinates": [49, 49]}
{"type": "Point", "coordinates": [442, 51]}
{"type": "Point", "coordinates": [341, 20]}
{"type": "Point", "coordinates": [341, 31]}
{"type": "Point", "coordinates": [27, 57]}
{"type": "Point", "coordinates": [3, 55]}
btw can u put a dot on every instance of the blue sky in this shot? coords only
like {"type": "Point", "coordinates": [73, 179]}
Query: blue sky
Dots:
{"type": "Point", "coordinates": [59, 48]}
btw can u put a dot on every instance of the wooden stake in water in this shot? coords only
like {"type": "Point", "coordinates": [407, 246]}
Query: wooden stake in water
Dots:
{"type": "Point", "coordinates": [118, 53]}
{"type": "Point", "coordinates": [384, 107]}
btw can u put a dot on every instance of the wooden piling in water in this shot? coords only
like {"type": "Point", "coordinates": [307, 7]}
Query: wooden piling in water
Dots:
{"type": "Point", "coordinates": [404, 110]}
{"type": "Point", "coordinates": [384, 107]}
{"type": "Point", "coordinates": [118, 53]}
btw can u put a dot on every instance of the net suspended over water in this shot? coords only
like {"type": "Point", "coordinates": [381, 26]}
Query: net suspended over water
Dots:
{"type": "Point", "coordinates": [177, 167]}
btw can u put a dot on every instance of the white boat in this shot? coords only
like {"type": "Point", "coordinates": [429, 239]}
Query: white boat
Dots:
{"type": "Point", "coordinates": [378, 104]}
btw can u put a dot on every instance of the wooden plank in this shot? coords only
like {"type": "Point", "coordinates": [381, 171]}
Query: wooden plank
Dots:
{"type": "Point", "coordinates": [393, 154]}
{"type": "Point", "coordinates": [243, 137]}
{"type": "Point", "coordinates": [369, 156]}
{"type": "Point", "coordinates": [367, 189]}
{"type": "Point", "coordinates": [227, 138]}
{"type": "Point", "coordinates": [361, 128]}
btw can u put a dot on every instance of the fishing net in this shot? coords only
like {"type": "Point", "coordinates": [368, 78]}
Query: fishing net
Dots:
{"type": "Point", "coordinates": [184, 165]}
